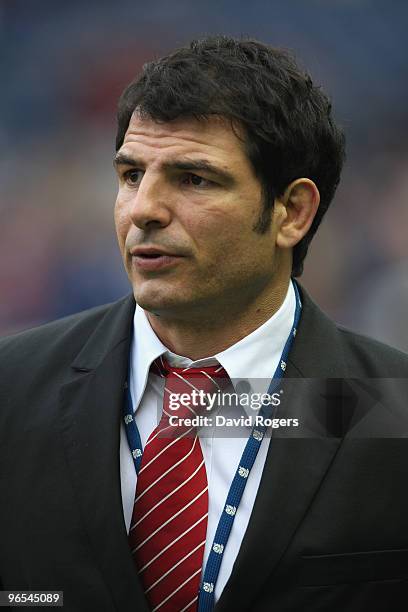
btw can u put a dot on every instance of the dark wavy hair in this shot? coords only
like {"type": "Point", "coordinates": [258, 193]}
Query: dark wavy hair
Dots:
{"type": "Point", "coordinates": [287, 121]}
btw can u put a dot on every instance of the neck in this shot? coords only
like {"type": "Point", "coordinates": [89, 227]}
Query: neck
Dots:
{"type": "Point", "coordinates": [197, 338]}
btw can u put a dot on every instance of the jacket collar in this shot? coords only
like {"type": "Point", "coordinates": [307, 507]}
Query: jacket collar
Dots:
{"type": "Point", "coordinates": [315, 351]}
{"type": "Point", "coordinates": [115, 327]}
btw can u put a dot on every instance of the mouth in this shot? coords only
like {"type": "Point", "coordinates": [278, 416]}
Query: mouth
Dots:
{"type": "Point", "coordinates": [152, 259]}
{"type": "Point", "coordinates": [149, 255]}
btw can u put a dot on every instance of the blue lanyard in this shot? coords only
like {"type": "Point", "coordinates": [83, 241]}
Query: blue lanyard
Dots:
{"type": "Point", "coordinates": [132, 431]}
{"type": "Point", "coordinates": [212, 568]}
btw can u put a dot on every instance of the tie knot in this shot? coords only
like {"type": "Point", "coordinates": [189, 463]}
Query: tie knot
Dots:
{"type": "Point", "coordinates": [187, 390]}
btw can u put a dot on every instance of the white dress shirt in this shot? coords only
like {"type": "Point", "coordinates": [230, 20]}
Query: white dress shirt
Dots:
{"type": "Point", "coordinates": [253, 359]}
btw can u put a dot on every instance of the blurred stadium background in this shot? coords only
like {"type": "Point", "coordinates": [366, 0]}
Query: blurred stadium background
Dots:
{"type": "Point", "coordinates": [64, 65]}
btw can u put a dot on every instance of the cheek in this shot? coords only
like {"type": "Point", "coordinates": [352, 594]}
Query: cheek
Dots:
{"type": "Point", "coordinates": [220, 239]}
{"type": "Point", "coordinates": [121, 221]}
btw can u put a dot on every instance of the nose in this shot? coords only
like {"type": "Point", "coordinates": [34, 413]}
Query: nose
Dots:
{"type": "Point", "coordinates": [149, 205]}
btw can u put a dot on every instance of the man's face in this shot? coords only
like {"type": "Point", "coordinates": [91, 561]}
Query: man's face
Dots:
{"type": "Point", "coordinates": [185, 213]}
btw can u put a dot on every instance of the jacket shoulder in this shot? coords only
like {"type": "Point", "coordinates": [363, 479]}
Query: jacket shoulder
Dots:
{"type": "Point", "coordinates": [65, 335]}
{"type": "Point", "coordinates": [366, 354]}
{"type": "Point", "coordinates": [324, 349]}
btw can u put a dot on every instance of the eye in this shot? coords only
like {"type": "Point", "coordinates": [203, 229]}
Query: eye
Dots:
{"type": "Point", "coordinates": [132, 177]}
{"type": "Point", "coordinates": [195, 180]}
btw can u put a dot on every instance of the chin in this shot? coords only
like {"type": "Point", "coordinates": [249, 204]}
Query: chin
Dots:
{"type": "Point", "coordinates": [158, 304]}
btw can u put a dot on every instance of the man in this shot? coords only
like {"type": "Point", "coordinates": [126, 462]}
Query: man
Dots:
{"type": "Point", "coordinates": [227, 158]}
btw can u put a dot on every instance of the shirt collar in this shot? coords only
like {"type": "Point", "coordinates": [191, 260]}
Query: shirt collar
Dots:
{"type": "Point", "coordinates": [146, 347]}
{"type": "Point", "coordinates": [254, 357]}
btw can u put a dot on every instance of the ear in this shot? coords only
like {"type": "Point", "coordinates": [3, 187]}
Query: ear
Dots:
{"type": "Point", "coordinates": [300, 203]}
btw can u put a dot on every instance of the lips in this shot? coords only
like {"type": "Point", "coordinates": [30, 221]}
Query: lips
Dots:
{"type": "Point", "coordinates": [153, 258]}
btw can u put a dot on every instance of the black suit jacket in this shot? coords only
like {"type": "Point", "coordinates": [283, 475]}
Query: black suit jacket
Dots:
{"type": "Point", "coordinates": [329, 528]}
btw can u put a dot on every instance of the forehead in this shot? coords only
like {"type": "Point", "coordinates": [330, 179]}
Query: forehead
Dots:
{"type": "Point", "coordinates": [214, 137]}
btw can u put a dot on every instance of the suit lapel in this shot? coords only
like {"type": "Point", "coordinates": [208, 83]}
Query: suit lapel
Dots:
{"type": "Point", "coordinates": [294, 468]}
{"type": "Point", "coordinates": [91, 405]}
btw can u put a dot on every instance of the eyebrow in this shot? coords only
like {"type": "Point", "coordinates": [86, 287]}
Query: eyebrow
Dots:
{"type": "Point", "coordinates": [186, 164]}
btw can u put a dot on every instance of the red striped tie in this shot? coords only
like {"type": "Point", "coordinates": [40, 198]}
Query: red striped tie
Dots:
{"type": "Point", "coordinates": [169, 522]}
